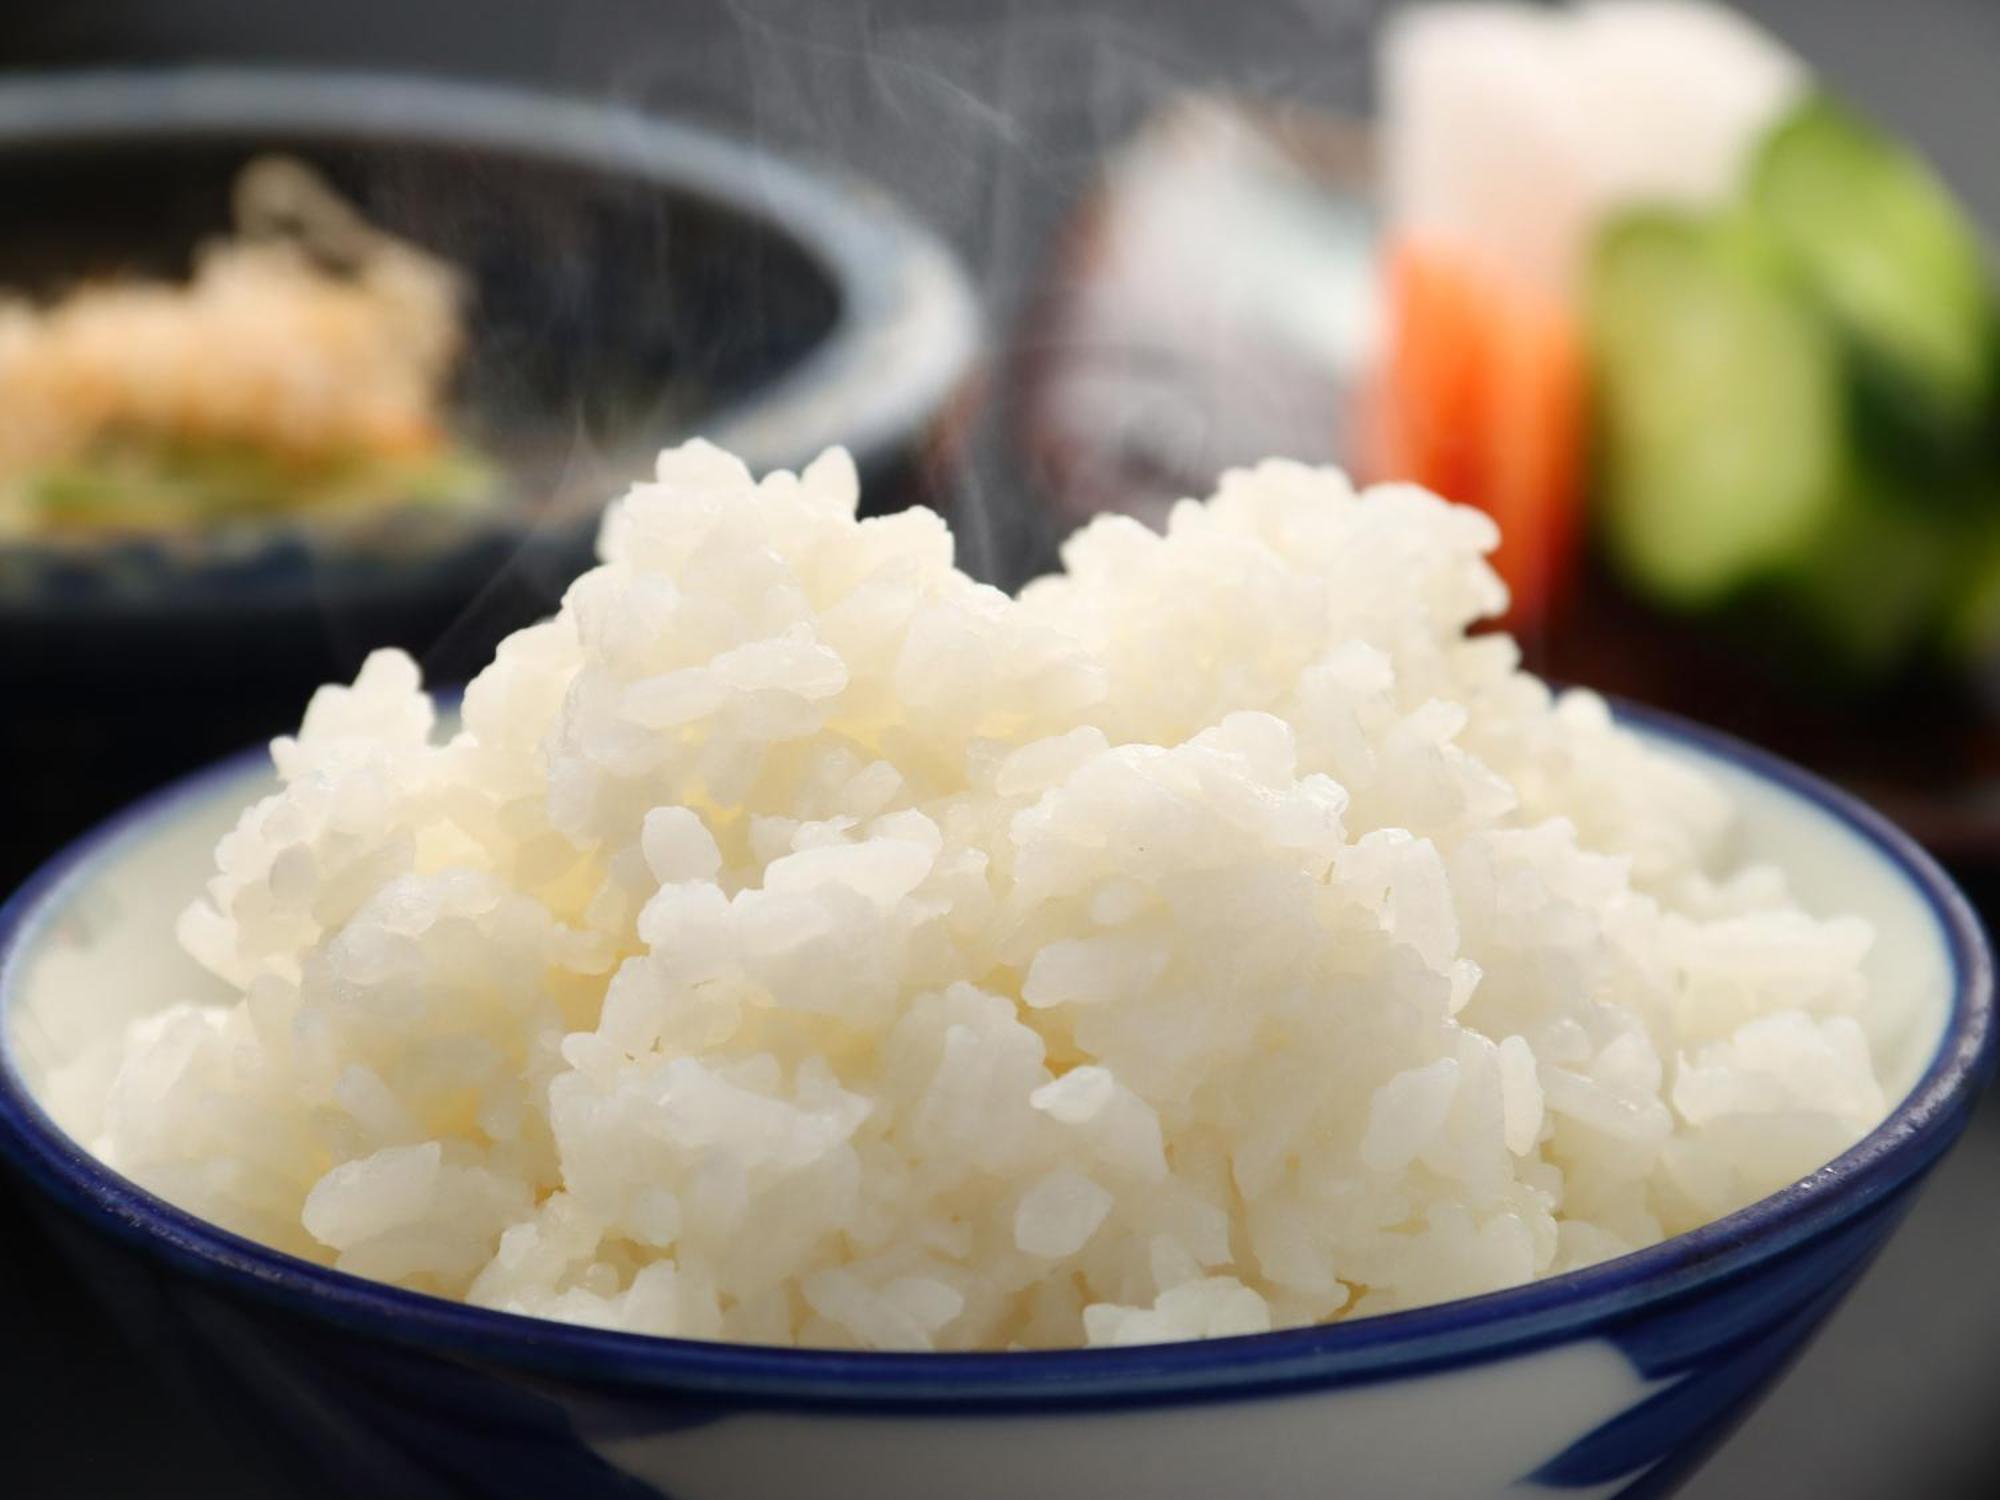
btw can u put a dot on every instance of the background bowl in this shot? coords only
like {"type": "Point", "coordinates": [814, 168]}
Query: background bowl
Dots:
{"type": "Point", "coordinates": [1614, 1380]}
{"type": "Point", "coordinates": [633, 281]}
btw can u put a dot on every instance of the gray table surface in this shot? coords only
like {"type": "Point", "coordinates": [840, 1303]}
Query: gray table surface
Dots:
{"type": "Point", "coordinates": [989, 117]}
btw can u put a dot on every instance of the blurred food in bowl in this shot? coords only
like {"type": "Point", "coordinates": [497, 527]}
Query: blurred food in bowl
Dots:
{"type": "Point", "coordinates": [302, 367]}
{"type": "Point", "coordinates": [439, 269]}
{"type": "Point", "coordinates": [1640, 232]}
{"type": "Point", "coordinates": [1721, 355]}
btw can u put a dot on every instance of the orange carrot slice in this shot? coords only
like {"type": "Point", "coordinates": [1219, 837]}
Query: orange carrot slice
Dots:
{"type": "Point", "coordinates": [1433, 376]}
{"type": "Point", "coordinates": [1483, 402]}
{"type": "Point", "coordinates": [1532, 430]}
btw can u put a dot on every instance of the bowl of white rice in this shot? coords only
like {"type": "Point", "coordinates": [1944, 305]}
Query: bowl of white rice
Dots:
{"type": "Point", "coordinates": [807, 1023]}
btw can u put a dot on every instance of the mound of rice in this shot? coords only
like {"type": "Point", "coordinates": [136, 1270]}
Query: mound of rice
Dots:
{"type": "Point", "coordinates": [800, 943]}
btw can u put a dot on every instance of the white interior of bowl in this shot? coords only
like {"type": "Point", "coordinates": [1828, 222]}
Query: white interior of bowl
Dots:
{"type": "Point", "coordinates": [101, 951]}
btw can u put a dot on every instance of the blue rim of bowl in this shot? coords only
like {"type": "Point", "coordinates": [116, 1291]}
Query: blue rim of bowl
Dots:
{"type": "Point", "coordinates": [1387, 1347]}
{"type": "Point", "coordinates": [907, 335]}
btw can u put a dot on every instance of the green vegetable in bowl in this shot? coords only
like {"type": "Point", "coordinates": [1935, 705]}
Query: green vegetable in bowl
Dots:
{"type": "Point", "coordinates": [1881, 245]}
{"type": "Point", "coordinates": [1797, 400]}
{"type": "Point", "coordinates": [1720, 405]}
{"type": "Point", "coordinates": [141, 483]}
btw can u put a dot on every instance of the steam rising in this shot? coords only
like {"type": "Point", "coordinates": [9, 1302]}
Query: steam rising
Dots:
{"type": "Point", "coordinates": [991, 123]}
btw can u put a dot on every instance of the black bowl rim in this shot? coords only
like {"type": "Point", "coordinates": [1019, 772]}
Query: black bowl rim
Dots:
{"type": "Point", "coordinates": [1469, 1331]}
{"type": "Point", "coordinates": [907, 335]}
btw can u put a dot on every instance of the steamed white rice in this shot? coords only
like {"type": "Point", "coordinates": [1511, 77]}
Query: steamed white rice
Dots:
{"type": "Point", "coordinates": [800, 943]}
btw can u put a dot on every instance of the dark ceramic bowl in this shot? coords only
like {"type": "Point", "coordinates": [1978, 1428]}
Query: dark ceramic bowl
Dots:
{"type": "Point", "coordinates": [1615, 1380]}
{"type": "Point", "coordinates": [634, 282]}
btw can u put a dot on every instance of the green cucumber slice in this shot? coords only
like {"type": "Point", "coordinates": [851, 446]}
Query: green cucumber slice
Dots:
{"type": "Point", "coordinates": [1893, 259]}
{"type": "Point", "coordinates": [1721, 434]}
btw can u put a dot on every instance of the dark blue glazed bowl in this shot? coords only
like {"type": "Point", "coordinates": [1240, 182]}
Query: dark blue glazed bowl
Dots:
{"type": "Point", "coordinates": [633, 281]}
{"type": "Point", "coordinates": [1616, 1380]}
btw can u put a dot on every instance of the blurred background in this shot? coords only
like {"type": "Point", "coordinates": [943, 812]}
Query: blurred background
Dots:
{"type": "Point", "coordinates": [1032, 261]}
